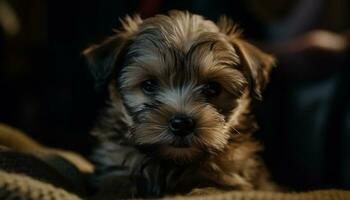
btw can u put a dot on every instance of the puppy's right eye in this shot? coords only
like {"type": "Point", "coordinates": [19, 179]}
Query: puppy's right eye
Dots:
{"type": "Point", "coordinates": [150, 86]}
{"type": "Point", "coordinates": [212, 89]}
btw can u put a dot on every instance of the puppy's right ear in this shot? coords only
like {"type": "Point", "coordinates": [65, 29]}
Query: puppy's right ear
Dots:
{"type": "Point", "coordinates": [105, 59]}
{"type": "Point", "coordinates": [256, 64]}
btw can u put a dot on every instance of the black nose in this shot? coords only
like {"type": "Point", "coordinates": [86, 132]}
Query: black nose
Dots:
{"type": "Point", "coordinates": [181, 125]}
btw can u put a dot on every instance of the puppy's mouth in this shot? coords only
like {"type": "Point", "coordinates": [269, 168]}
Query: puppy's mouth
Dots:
{"type": "Point", "coordinates": [182, 142]}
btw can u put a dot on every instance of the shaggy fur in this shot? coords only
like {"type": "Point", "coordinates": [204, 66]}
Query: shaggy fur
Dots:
{"type": "Point", "coordinates": [138, 155]}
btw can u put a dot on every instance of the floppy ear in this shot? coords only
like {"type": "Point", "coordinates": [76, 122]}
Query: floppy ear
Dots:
{"type": "Point", "coordinates": [256, 65]}
{"type": "Point", "coordinates": [105, 59]}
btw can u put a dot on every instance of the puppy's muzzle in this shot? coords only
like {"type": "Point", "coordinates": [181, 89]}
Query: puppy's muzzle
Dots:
{"type": "Point", "coordinates": [181, 125]}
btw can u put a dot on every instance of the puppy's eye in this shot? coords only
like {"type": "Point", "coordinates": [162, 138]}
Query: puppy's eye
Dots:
{"type": "Point", "coordinates": [150, 86]}
{"type": "Point", "coordinates": [212, 89]}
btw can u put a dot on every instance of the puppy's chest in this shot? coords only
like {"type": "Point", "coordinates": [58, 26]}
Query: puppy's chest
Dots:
{"type": "Point", "coordinates": [155, 177]}
{"type": "Point", "coordinates": [150, 176]}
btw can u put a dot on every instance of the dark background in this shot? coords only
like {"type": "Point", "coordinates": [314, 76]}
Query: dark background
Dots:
{"type": "Point", "coordinates": [46, 90]}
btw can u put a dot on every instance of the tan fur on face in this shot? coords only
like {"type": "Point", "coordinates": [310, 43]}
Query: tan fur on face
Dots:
{"type": "Point", "coordinates": [182, 52]}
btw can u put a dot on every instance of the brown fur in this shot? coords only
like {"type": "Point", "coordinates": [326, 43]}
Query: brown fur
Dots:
{"type": "Point", "coordinates": [183, 52]}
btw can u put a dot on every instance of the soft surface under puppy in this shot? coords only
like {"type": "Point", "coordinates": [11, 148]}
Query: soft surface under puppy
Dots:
{"type": "Point", "coordinates": [178, 116]}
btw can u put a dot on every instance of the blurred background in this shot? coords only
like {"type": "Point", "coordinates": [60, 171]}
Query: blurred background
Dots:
{"type": "Point", "coordinates": [46, 90]}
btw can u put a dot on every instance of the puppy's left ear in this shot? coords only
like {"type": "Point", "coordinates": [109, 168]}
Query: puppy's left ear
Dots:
{"type": "Point", "coordinates": [102, 58]}
{"type": "Point", "coordinates": [256, 65]}
{"type": "Point", "coordinates": [106, 58]}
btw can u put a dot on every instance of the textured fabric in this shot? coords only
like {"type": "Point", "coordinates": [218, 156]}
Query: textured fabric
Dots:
{"type": "Point", "coordinates": [42, 169]}
{"type": "Point", "coordinates": [21, 187]}
{"type": "Point", "coordinates": [254, 195]}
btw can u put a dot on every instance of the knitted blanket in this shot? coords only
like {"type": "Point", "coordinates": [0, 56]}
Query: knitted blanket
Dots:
{"type": "Point", "coordinates": [260, 195]}
{"type": "Point", "coordinates": [30, 171]}
{"type": "Point", "coordinates": [21, 187]}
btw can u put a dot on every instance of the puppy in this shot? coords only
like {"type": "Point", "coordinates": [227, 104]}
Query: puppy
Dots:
{"type": "Point", "coordinates": [178, 116]}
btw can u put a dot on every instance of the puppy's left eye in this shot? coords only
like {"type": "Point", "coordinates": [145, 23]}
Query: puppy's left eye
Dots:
{"type": "Point", "coordinates": [212, 89]}
{"type": "Point", "coordinates": [150, 86]}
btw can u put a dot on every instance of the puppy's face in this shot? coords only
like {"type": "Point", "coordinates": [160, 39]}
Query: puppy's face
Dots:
{"type": "Point", "coordinates": [183, 81]}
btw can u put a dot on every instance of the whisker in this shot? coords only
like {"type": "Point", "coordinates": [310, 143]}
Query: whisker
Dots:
{"type": "Point", "coordinates": [236, 131]}
{"type": "Point", "coordinates": [205, 128]}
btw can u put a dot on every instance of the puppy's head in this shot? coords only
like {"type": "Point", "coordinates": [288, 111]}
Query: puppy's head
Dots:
{"type": "Point", "coordinates": [183, 81]}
